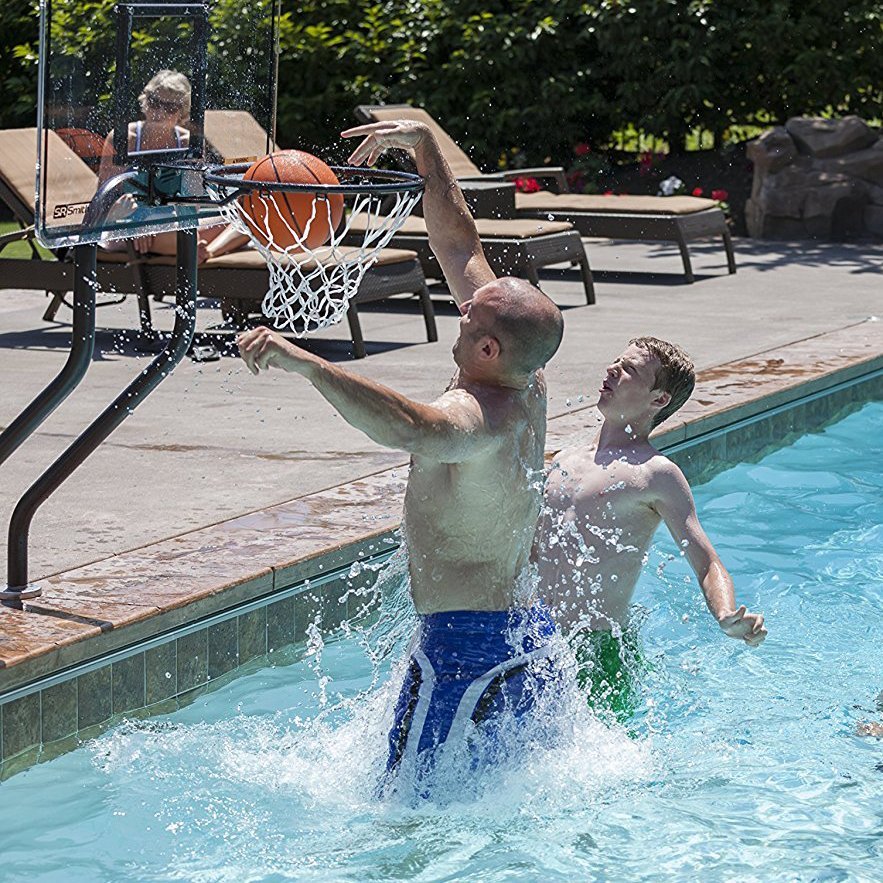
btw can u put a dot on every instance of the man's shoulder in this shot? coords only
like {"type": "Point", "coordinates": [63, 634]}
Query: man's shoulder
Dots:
{"type": "Point", "coordinates": [665, 477]}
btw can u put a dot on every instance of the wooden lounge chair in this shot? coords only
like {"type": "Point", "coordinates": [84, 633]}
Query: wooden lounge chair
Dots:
{"type": "Point", "coordinates": [679, 219]}
{"type": "Point", "coordinates": [118, 272]}
{"type": "Point", "coordinates": [513, 247]}
{"type": "Point", "coordinates": [124, 273]}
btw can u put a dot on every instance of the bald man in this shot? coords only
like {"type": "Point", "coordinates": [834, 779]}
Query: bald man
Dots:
{"type": "Point", "coordinates": [475, 485]}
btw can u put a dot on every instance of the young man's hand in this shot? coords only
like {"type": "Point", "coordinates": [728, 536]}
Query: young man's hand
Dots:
{"type": "Point", "coordinates": [744, 626]}
{"type": "Point", "coordinates": [262, 348]}
{"type": "Point", "coordinates": [378, 137]}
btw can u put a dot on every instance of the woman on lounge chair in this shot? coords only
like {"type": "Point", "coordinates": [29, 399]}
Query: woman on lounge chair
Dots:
{"type": "Point", "coordinates": [165, 105]}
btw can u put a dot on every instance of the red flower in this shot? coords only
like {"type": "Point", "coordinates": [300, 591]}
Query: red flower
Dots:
{"type": "Point", "coordinates": [645, 163]}
{"type": "Point", "coordinates": [609, 193]}
{"type": "Point", "coordinates": [697, 191]}
{"type": "Point", "coordinates": [582, 149]}
{"type": "Point", "coordinates": [527, 185]}
{"type": "Point", "coordinates": [719, 195]}
{"type": "Point", "coordinates": [576, 181]}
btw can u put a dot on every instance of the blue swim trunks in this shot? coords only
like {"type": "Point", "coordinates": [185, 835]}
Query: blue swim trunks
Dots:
{"type": "Point", "coordinates": [465, 669]}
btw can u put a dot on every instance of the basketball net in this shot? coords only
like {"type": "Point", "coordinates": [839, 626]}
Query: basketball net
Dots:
{"type": "Point", "coordinates": [310, 288]}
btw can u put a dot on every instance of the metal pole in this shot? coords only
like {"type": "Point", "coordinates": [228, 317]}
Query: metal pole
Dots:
{"type": "Point", "coordinates": [78, 361]}
{"type": "Point", "coordinates": [104, 425]}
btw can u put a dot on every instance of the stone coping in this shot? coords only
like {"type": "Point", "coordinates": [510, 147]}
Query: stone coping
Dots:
{"type": "Point", "coordinates": [119, 601]}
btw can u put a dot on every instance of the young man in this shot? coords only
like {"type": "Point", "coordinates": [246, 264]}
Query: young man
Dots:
{"type": "Point", "coordinates": [469, 514]}
{"type": "Point", "coordinates": [603, 504]}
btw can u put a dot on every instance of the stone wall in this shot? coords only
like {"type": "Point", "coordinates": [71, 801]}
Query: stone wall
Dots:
{"type": "Point", "coordinates": [817, 179]}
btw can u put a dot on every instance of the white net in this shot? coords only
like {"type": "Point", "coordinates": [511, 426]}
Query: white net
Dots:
{"type": "Point", "coordinates": [311, 287]}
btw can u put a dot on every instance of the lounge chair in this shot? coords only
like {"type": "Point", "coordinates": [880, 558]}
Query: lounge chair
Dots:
{"type": "Point", "coordinates": [679, 219]}
{"type": "Point", "coordinates": [117, 271]}
{"type": "Point", "coordinates": [245, 272]}
{"type": "Point", "coordinates": [513, 247]}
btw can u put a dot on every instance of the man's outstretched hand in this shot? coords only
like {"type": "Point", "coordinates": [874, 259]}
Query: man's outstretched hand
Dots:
{"type": "Point", "coordinates": [377, 137]}
{"type": "Point", "coordinates": [744, 626]}
{"type": "Point", "coordinates": [262, 348]}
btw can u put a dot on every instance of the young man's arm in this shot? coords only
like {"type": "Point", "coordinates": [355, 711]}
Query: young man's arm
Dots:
{"type": "Point", "coordinates": [451, 228]}
{"type": "Point", "coordinates": [451, 430]}
{"type": "Point", "coordinates": [673, 500]}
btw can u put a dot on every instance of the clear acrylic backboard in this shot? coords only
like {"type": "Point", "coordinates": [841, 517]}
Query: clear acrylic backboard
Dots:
{"type": "Point", "coordinates": [137, 92]}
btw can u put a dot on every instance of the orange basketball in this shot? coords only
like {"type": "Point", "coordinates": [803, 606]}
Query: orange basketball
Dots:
{"type": "Point", "coordinates": [281, 220]}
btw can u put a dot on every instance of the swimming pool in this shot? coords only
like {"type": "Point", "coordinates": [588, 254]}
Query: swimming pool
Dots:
{"type": "Point", "coordinates": [740, 764]}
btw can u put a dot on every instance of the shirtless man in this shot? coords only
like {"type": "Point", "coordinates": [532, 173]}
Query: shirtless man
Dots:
{"type": "Point", "coordinates": [475, 486]}
{"type": "Point", "coordinates": [603, 504]}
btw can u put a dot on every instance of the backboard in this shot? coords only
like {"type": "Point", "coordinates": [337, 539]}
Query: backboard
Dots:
{"type": "Point", "coordinates": [122, 107]}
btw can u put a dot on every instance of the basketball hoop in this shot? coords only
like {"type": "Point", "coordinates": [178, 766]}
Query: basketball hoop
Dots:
{"type": "Point", "coordinates": [311, 287]}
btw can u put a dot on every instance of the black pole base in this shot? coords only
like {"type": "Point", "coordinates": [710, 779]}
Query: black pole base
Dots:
{"type": "Point", "coordinates": [13, 597]}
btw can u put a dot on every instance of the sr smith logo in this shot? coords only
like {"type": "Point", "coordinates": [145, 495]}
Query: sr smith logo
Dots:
{"type": "Point", "coordinates": [69, 210]}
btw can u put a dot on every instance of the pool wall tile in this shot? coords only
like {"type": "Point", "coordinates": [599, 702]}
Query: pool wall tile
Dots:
{"type": "Point", "coordinates": [192, 658]}
{"type": "Point", "coordinates": [21, 725]}
{"type": "Point", "coordinates": [58, 711]}
{"type": "Point", "coordinates": [280, 624]}
{"type": "Point", "coordinates": [127, 684]}
{"type": "Point", "coordinates": [161, 673]}
{"type": "Point", "coordinates": [188, 697]}
{"type": "Point", "coordinates": [20, 762]}
{"type": "Point", "coordinates": [223, 648]}
{"type": "Point", "coordinates": [308, 609]}
{"type": "Point", "coordinates": [252, 634]}
{"type": "Point", "coordinates": [94, 698]}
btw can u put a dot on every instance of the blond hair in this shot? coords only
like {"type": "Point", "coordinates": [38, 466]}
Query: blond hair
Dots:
{"type": "Point", "coordinates": [675, 375]}
{"type": "Point", "coordinates": [168, 90]}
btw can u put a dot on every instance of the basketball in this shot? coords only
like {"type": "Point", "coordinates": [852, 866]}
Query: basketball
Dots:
{"type": "Point", "coordinates": [300, 219]}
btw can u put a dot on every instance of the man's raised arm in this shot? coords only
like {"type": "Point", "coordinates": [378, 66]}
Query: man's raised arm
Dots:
{"type": "Point", "coordinates": [451, 430]}
{"type": "Point", "coordinates": [674, 503]}
{"type": "Point", "coordinates": [451, 228]}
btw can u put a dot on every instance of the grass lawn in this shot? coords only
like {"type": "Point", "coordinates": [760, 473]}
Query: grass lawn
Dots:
{"type": "Point", "coordinates": [19, 249]}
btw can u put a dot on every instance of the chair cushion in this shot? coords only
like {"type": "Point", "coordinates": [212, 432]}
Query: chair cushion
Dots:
{"type": "Point", "coordinates": [249, 259]}
{"type": "Point", "coordinates": [70, 180]}
{"type": "Point", "coordinates": [488, 228]}
{"type": "Point", "coordinates": [630, 205]}
{"type": "Point", "coordinates": [460, 164]}
{"type": "Point", "coordinates": [235, 136]}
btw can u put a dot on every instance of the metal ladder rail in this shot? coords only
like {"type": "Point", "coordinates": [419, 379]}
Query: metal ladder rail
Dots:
{"type": "Point", "coordinates": [182, 335]}
{"type": "Point", "coordinates": [78, 361]}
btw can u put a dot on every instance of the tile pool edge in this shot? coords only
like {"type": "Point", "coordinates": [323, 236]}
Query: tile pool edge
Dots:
{"type": "Point", "coordinates": [96, 654]}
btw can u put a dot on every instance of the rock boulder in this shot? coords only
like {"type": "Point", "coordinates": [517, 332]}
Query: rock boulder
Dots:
{"type": "Point", "coordinates": [825, 138]}
{"type": "Point", "coordinates": [817, 179]}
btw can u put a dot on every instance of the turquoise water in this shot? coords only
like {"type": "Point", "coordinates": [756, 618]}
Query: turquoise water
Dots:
{"type": "Point", "coordinates": [741, 764]}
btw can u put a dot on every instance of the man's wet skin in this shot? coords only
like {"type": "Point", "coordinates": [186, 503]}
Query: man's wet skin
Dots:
{"type": "Point", "coordinates": [604, 502]}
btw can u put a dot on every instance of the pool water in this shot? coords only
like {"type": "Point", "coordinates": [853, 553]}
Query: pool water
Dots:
{"type": "Point", "coordinates": [740, 764]}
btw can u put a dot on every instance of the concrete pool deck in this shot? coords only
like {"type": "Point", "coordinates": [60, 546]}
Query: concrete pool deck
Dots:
{"type": "Point", "coordinates": [213, 442]}
{"type": "Point", "coordinates": [271, 536]}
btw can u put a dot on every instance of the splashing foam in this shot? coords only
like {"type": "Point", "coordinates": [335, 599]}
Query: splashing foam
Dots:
{"type": "Point", "coordinates": [324, 773]}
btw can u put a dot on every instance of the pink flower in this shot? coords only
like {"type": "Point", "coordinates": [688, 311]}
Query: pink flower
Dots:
{"type": "Point", "coordinates": [527, 185]}
{"type": "Point", "coordinates": [576, 181]}
{"type": "Point", "coordinates": [697, 191]}
{"type": "Point", "coordinates": [582, 149]}
{"type": "Point", "coordinates": [719, 195]}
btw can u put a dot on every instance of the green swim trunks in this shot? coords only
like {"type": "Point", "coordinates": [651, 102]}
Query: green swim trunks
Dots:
{"type": "Point", "coordinates": [609, 670]}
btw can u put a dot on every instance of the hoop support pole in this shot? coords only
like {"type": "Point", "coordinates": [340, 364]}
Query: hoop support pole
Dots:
{"type": "Point", "coordinates": [78, 361]}
{"type": "Point", "coordinates": [105, 423]}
